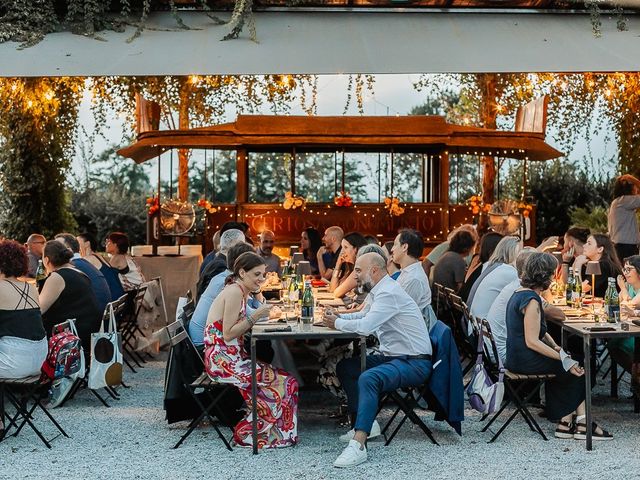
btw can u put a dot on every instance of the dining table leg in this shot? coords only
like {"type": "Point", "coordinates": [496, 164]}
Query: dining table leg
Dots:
{"type": "Point", "coordinates": [363, 354]}
{"type": "Point", "coordinates": [635, 375]}
{"type": "Point", "coordinates": [587, 383]}
{"type": "Point", "coordinates": [254, 397]}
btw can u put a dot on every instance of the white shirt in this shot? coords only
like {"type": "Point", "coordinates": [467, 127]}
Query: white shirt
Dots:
{"type": "Point", "coordinates": [497, 317]}
{"type": "Point", "coordinates": [394, 318]}
{"type": "Point", "coordinates": [415, 282]}
{"type": "Point", "coordinates": [490, 287]}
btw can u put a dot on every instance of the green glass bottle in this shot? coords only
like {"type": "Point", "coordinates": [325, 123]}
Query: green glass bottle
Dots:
{"type": "Point", "coordinates": [571, 281]}
{"type": "Point", "coordinates": [577, 291]}
{"type": "Point", "coordinates": [307, 309]}
{"type": "Point", "coordinates": [612, 301]}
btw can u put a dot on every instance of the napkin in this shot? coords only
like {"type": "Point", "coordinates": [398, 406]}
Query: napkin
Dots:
{"type": "Point", "coordinates": [567, 361]}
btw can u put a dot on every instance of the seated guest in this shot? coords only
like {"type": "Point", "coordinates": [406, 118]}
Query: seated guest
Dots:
{"type": "Point", "coordinates": [216, 243]}
{"type": "Point", "coordinates": [598, 248]}
{"type": "Point", "coordinates": [488, 244]}
{"type": "Point", "coordinates": [572, 248]}
{"type": "Point", "coordinates": [329, 253]}
{"type": "Point", "coordinates": [531, 350]}
{"type": "Point", "coordinates": [498, 311]}
{"type": "Point", "coordinates": [117, 245]}
{"type": "Point", "coordinates": [393, 269]}
{"type": "Point", "coordinates": [407, 248]}
{"type": "Point", "coordinates": [67, 294]}
{"type": "Point", "coordinates": [98, 282]}
{"type": "Point", "coordinates": [342, 278]}
{"type": "Point", "coordinates": [404, 359]}
{"type": "Point", "coordinates": [227, 362]}
{"type": "Point", "coordinates": [434, 255]}
{"type": "Point", "coordinates": [621, 349]}
{"type": "Point", "coordinates": [371, 240]}
{"type": "Point", "coordinates": [265, 250]}
{"type": "Point", "coordinates": [35, 245]}
{"type": "Point", "coordinates": [217, 283]}
{"type": "Point", "coordinates": [498, 272]}
{"type": "Point", "coordinates": [219, 264]}
{"type": "Point", "coordinates": [310, 243]}
{"type": "Point", "coordinates": [23, 341]}
{"type": "Point", "coordinates": [450, 269]}
{"type": "Point", "coordinates": [88, 248]}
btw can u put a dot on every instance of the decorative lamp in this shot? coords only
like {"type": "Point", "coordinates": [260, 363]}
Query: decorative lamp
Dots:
{"type": "Point", "coordinates": [593, 269]}
{"type": "Point", "coordinates": [297, 258]}
{"type": "Point", "coordinates": [293, 249]}
{"type": "Point", "coordinates": [303, 268]}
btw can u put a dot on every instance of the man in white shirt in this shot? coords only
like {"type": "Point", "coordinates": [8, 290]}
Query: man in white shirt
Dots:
{"type": "Point", "coordinates": [406, 251]}
{"type": "Point", "coordinates": [405, 351]}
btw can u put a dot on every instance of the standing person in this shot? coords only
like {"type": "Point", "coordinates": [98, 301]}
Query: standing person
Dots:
{"type": "Point", "coordinates": [117, 245]}
{"type": "Point", "coordinates": [405, 352]}
{"type": "Point", "coordinates": [406, 251]}
{"type": "Point", "coordinates": [227, 362]}
{"type": "Point", "coordinates": [531, 350]}
{"type": "Point", "coordinates": [88, 249]}
{"type": "Point", "coordinates": [67, 293]}
{"type": "Point", "coordinates": [622, 221]}
{"type": "Point", "coordinates": [35, 245]}
{"type": "Point", "coordinates": [310, 243]}
{"type": "Point", "coordinates": [329, 253]}
{"type": "Point", "coordinates": [598, 249]}
{"type": "Point", "coordinates": [265, 250]}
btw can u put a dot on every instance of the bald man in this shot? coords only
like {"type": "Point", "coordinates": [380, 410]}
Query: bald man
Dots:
{"type": "Point", "coordinates": [35, 247]}
{"type": "Point", "coordinates": [329, 253]}
{"type": "Point", "coordinates": [265, 250]}
{"type": "Point", "coordinates": [404, 359]}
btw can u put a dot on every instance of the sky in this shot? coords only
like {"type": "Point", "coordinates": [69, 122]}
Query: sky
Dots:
{"type": "Point", "coordinates": [392, 95]}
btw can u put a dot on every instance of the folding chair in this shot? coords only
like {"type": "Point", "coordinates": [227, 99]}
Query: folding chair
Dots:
{"type": "Point", "coordinates": [178, 335]}
{"type": "Point", "coordinates": [519, 388]}
{"type": "Point", "coordinates": [465, 323]}
{"type": "Point", "coordinates": [128, 325]}
{"type": "Point", "coordinates": [20, 392]}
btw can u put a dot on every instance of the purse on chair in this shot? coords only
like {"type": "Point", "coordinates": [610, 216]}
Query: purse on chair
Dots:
{"type": "Point", "coordinates": [106, 355]}
{"type": "Point", "coordinates": [485, 395]}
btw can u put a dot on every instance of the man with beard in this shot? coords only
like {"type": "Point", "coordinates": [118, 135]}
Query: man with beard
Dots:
{"type": "Point", "coordinates": [265, 250]}
{"type": "Point", "coordinates": [405, 351]}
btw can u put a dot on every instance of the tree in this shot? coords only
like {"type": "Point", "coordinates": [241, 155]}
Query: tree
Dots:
{"type": "Point", "coordinates": [38, 119]}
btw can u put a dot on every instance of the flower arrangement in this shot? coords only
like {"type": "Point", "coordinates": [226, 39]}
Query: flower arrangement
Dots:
{"type": "Point", "coordinates": [477, 205]}
{"type": "Point", "coordinates": [393, 205]}
{"type": "Point", "coordinates": [343, 200]}
{"type": "Point", "coordinates": [525, 209]}
{"type": "Point", "coordinates": [153, 205]}
{"type": "Point", "coordinates": [292, 202]}
{"type": "Point", "coordinates": [207, 205]}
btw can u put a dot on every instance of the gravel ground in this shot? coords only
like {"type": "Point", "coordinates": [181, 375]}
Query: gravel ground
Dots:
{"type": "Point", "coordinates": [132, 440]}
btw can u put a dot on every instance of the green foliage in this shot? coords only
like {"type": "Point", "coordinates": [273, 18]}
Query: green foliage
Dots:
{"type": "Point", "coordinates": [594, 218]}
{"type": "Point", "coordinates": [37, 134]}
{"type": "Point", "coordinates": [558, 188]}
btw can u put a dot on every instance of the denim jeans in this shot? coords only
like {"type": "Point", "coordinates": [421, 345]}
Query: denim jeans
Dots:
{"type": "Point", "coordinates": [383, 374]}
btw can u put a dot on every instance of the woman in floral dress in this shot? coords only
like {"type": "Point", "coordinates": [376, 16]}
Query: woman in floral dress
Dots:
{"type": "Point", "coordinates": [227, 362]}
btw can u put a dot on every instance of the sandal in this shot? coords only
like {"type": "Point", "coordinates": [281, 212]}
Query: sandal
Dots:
{"type": "Point", "coordinates": [581, 432]}
{"type": "Point", "coordinates": [565, 430]}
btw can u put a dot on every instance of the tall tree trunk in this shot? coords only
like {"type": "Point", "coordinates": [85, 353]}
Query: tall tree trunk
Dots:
{"type": "Point", "coordinates": [183, 153]}
{"type": "Point", "coordinates": [488, 115]}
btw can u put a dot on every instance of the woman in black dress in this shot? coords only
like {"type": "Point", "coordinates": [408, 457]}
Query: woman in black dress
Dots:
{"type": "Point", "coordinates": [531, 350]}
{"type": "Point", "coordinates": [67, 294]}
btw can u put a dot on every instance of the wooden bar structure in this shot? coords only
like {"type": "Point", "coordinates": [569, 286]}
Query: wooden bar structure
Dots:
{"type": "Point", "coordinates": [432, 136]}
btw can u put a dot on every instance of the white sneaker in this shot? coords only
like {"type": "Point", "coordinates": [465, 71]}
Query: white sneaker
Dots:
{"type": "Point", "coordinates": [353, 454]}
{"type": "Point", "coordinates": [375, 432]}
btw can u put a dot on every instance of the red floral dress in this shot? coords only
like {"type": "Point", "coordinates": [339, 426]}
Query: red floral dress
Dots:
{"type": "Point", "coordinates": [227, 362]}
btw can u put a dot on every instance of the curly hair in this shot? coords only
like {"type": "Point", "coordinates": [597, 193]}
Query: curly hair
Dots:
{"type": "Point", "coordinates": [13, 258]}
{"type": "Point", "coordinates": [538, 271]}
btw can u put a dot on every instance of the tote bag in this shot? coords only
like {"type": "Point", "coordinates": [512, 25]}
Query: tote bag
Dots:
{"type": "Point", "coordinates": [106, 355]}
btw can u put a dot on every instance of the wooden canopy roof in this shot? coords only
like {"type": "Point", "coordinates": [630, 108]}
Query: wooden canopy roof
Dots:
{"type": "Point", "coordinates": [429, 134]}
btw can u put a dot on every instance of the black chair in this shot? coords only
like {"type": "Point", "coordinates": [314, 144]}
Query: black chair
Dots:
{"type": "Point", "coordinates": [519, 388]}
{"type": "Point", "coordinates": [26, 395]}
{"type": "Point", "coordinates": [128, 326]}
{"type": "Point", "coordinates": [464, 323]}
{"type": "Point", "coordinates": [205, 393]}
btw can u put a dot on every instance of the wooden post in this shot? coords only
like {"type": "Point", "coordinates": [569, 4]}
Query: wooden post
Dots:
{"type": "Point", "coordinates": [183, 153]}
{"type": "Point", "coordinates": [444, 190]}
{"type": "Point", "coordinates": [242, 183]}
{"type": "Point", "coordinates": [488, 115]}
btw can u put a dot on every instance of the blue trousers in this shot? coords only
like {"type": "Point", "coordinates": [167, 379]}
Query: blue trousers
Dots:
{"type": "Point", "coordinates": [382, 374]}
